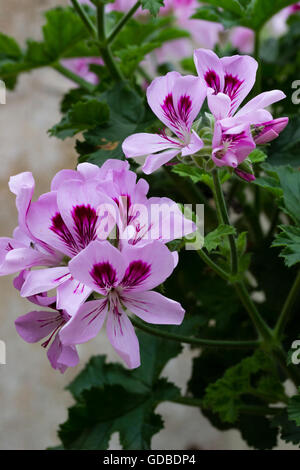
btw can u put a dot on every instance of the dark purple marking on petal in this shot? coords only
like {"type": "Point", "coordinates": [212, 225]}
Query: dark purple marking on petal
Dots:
{"type": "Point", "coordinates": [136, 273]}
{"type": "Point", "coordinates": [79, 288]}
{"type": "Point", "coordinates": [232, 87]}
{"type": "Point", "coordinates": [9, 247]}
{"type": "Point", "coordinates": [178, 120]}
{"type": "Point", "coordinates": [55, 331]}
{"type": "Point", "coordinates": [85, 220]}
{"type": "Point", "coordinates": [213, 81]}
{"type": "Point", "coordinates": [104, 275]}
{"type": "Point", "coordinates": [61, 230]}
{"type": "Point", "coordinates": [97, 311]}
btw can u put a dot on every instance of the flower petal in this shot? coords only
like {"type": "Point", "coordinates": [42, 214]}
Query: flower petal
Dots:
{"type": "Point", "coordinates": [85, 324]}
{"type": "Point", "coordinates": [153, 162]}
{"type": "Point", "coordinates": [147, 266]}
{"type": "Point", "coordinates": [239, 78]}
{"type": "Point", "coordinates": [219, 104]}
{"type": "Point", "coordinates": [61, 357]}
{"type": "Point", "coordinates": [22, 185]}
{"type": "Point", "coordinates": [194, 145]}
{"type": "Point", "coordinates": [37, 325]}
{"type": "Point", "coordinates": [122, 336]}
{"type": "Point", "coordinates": [209, 69]}
{"type": "Point", "coordinates": [261, 101]}
{"type": "Point", "coordinates": [99, 266]}
{"type": "Point", "coordinates": [71, 295]}
{"type": "Point", "coordinates": [137, 145]}
{"type": "Point", "coordinates": [155, 308]}
{"type": "Point", "coordinates": [42, 280]}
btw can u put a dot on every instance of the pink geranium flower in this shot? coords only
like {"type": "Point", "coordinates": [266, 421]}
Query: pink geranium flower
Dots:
{"type": "Point", "coordinates": [229, 80]}
{"type": "Point", "coordinates": [231, 147]}
{"type": "Point", "coordinates": [37, 325]}
{"type": "Point", "coordinates": [125, 280]}
{"type": "Point", "coordinates": [176, 101]}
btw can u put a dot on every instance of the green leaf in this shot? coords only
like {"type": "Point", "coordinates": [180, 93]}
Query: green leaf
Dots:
{"type": "Point", "coordinates": [257, 156]}
{"type": "Point", "coordinates": [152, 5]}
{"type": "Point", "coordinates": [289, 238]}
{"type": "Point", "coordinates": [9, 48]}
{"type": "Point", "coordinates": [290, 431]}
{"type": "Point", "coordinates": [285, 149]}
{"type": "Point", "coordinates": [293, 409]}
{"type": "Point", "coordinates": [81, 116]}
{"type": "Point", "coordinates": [192, 172]}
{"type": "Point", "coordinates": [226, 395]}
{"type": "Point", "coordinates": [257, 431]}
{"type": "Point", "coordinates": [214, 238]}
{"type": "Point", "coordinates": [110, 398]}
{"type": "Point", "coordinates": [290, 183]}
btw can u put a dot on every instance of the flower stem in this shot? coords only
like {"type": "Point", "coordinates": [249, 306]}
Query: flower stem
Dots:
{"type": "Point", "coordinates": [112, 36]}
{"type": "Point", "coordinates": [261, 326]}
{"type": "Point", "coordinates": [74, 77]}
{"type": "Point", "coordinates": [104, 47]}
{"type": "Point", "coordinates": [85, 18]}
{"type": "Point", "coordinates": [288, 307]}
{"type": "Point", "coordinates": [209, 343]}
{"type": "Point", "coordinates": [222, 211]}
{"type": "Point", "coordinates": [213, 265]}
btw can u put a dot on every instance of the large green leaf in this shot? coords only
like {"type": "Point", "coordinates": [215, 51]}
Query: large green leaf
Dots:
{"type": "Point", "coordinates": [294, 409]}
{"type": "Point", "coordinates": [289, 238]}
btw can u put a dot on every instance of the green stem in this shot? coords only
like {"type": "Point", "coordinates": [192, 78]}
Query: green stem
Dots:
{"type": "Point", "coordinates": [85, 18]}
{"type": "Point", "coordinates": [244, 409]}
{"type": "Point", "coordinates": [261, 326]}
{"type": "Point", "coordinates": [213, 265]}
{"type": "Point", "coordinates": [209, 343]}
{"type": "Point", "coordinates": [112, 36]}
{"type": "Point", "coordinates": [222, 210]}
{"type": "Point", "coordinates": [74, 77]}
{"type": "Point", "coordinates": [287, 309]}
{"type": "Point", "coordinates": [105, 48]}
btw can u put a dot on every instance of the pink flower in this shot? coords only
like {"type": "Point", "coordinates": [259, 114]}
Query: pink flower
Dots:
{"type": "Point", "coordinates": [36, 325]}
{"type": "Point", "coordinates": [125, 280]}
{"type": "Point", "coordinates": [176, 101]}
{"type": "Point", "coordinates": [80, 66]}
{"type": "Point", "coordinates": [229, 80]}
{"type": "Point", "coordinates": [242, 39]}
{"type": "Point", "coordinates": [232, 146]}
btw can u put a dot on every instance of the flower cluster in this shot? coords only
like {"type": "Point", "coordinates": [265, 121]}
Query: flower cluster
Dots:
{"type": "Point", "coordinates": [94, 232]}
{"type": "Point", "coordinates": [177, 101]}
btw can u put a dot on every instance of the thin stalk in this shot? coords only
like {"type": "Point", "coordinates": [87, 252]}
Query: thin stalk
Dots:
{"type": "Point", "coordinates": [105, 48]}
{"type": "Point", "coordinates": [222, 210]}
{"type": "Point", "coordinates": [261, 326]}
{"type": "Point", "coordinates": [209, 343]}
{"type": "Point", "coordinates": [223, 274]}
{"type": "Point", "coordinates": [287, 309]}
{"type": "Point", "coordinates": [85, 18]}
{"type": "Point", "coordinates": [74, 77]}
{"type": "Point", "coordinates": [112, 36]}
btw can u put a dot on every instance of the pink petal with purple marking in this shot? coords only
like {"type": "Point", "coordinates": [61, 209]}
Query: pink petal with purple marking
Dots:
{"type": "Point", "coordinates": [209, 69]}
{"type": "Point", "coordinates": [122, 336]}
{"type": "Point", "coordinates": [100, 266]}
{"type": "Point", "coordinates": [37, 325]}
{"type": "Point", "coordinates": [71, 295]}
{"type": "Point", "coordinates": [85, 324]}
{"type": "Point", "coordinates": [43, 280]}
{"type": "Point", "coordinates": [147, 266]}
{"type": "Point", "coordinates": [239, 78]}
{"type": "Point", "coordinates": [155, 308]}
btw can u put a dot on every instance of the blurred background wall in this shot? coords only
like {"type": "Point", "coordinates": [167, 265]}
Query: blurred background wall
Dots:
{"type": "Point", "coordinates": [32, 397]}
